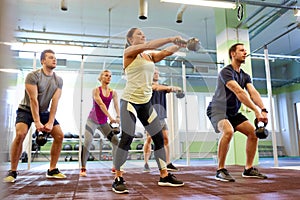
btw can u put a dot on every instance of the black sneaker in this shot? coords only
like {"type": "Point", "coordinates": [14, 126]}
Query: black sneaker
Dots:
{"type": "Point", "coordinates": [11, 177]}
{"type": "Point", "coordinates": [223, 175]}
{"type": "Point", "coordinates": [170, 180]}
{"type": "Point", "coordinates": [119, 186]}
{"type": "Point", "coordinates": [55, 173]}
{"type": "Point", "coordinates": [171, 167]}
{"type": "Point", "coordinates": [253, 173]}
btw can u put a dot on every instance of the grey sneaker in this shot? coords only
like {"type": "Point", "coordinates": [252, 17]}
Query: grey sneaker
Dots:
{"type": "Point", "coordinates": [146, 168]}
{"type": "Point", "coordinates": [170, 180]}
{"type": "Point", "coordinates": [223, 175]}
{"type": "Point", "coordinates": [253, 173]}
{"type": "Point", "coordinates": [11, 177]}
{"type": "Point", "coordinates": [171, 167]}
{"type": "Point", "coordinates": [119, 186]}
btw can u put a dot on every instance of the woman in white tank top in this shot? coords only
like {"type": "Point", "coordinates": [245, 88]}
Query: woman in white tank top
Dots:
{"type": "Point", "coordinates": [138, 64]}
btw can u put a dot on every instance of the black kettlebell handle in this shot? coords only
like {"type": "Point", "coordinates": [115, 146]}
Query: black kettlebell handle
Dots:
{"type": "Point", "coordinates": [41, 137]}
{"type": "Point", "coordinates": [261, 132]}
{"type": "Point", "coordinates": [256, 122]}
{"type": "Point", "coordinates": [115, 128]}
{"type": "Point", "coordinates": [180, 94]}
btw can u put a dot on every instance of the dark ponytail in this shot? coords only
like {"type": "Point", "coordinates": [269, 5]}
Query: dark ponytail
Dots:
{"type": "Point", "coordinates": [129, 35]}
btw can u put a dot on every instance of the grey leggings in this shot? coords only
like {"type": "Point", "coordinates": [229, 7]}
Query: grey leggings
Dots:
{"type": "Point", "coordinates": [148, 117]}
{"type": "Point", "coordinates": [106, 130]}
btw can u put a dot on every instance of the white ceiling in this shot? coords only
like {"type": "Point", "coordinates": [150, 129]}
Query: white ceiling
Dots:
{"type": "Point", "coordinates": [104, 23]}
{"type": "Point", "coordinates": [96, 20]}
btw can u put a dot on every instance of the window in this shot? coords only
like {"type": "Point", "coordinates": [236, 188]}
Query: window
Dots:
{"type": "Point", "coordinates": [268, 107]}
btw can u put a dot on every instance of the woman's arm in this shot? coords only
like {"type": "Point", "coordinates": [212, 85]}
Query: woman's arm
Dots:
{"type": "Point", "coordinates": [166, 88]}
{"type": "Point", "coordinates": [158, 56]}
{"type": "Point", "coordinates": [131, 52]}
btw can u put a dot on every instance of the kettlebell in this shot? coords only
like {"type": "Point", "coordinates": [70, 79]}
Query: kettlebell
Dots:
{"type": "Point", "coordinates": [68, 158]}
{"type": "Point", "coordinates": [193, 44]}
{"type": "Point", "coordinates": [180, 94]}
{"type": "Point", "coordinates": [91, 157]}
{"type": "Point", "coordinates": [41, 138]}
{"type": "Point", "coordinates": [115, 128]}
{"type": "Point", "coordinates": [261, 131]}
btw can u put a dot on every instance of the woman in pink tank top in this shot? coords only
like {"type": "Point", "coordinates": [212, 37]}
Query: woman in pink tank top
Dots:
{"type": "Point", "coordinates": [99, 118]}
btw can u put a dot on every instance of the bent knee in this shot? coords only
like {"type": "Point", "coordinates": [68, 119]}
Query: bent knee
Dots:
{"type": "Point", "coordinates": [225, 127]}
{"type": "Point", "coordinates": [57, 136]}
{"type": "Point", "coordinates": [252, 135]}
{"type": "Point", "coordinates": [115, 140]}
{"type": "Point", "coordinates": [228, 134]}
{"type": "Point", "coordinates": [20, 136]}
{"type": "Point", "coordinates": [166, 141]}
{"type": "Point", "coordinates": [148, 140]}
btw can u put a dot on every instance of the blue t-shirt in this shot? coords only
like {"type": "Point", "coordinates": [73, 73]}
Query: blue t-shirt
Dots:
{"type": "Point", "coordinates": [224, 100]}
{"type": "Point", "coordinates": [159, 103]}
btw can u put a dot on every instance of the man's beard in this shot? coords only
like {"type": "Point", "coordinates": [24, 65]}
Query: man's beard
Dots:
{"type": "Point", "coordinates": [51, 67]}
{"type": "Point", "coordinates": [242, 61]}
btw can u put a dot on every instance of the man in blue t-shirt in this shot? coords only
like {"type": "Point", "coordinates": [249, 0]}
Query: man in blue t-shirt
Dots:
{"type": "Point", "coordinates": [223, 112]}
{"type": "Point", "coordinates": [159, 102]}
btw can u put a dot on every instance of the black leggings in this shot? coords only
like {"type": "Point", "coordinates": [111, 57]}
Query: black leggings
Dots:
{"type": "Point", "coordinates": [148, 117]}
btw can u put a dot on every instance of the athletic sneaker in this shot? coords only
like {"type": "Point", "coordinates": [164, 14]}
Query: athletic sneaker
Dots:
{"type": "Point", "coordinates": [55, 173]}
{"type": "Point", "coordinates": [170, 180]}
{"type": "Point", "coordinates": [83, 172]}
{"type": "Point", "coordinates": [223, 175]}
{"type": "Point", "coordinates": [119, 186]}
{"type": "Point", "coordinates": [11, 177]}
{"type": "Point", "coordinates": [253, 173]}
{"type": "Point", "coordinates": [146, 168]}
{"type": "Point", "coordinates": [171, 167]}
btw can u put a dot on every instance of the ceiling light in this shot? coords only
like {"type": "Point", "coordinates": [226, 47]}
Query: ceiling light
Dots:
{"type": "Point", "coordinates": [64, 5]}
{"type": "Point", "coordinates": [143, 10]}
{"type": "Point", "coordinates": [180, 13]}
{"type": "Point", "coordinates": [216, 4]}
{"type": "Point", "coordinates": [296, 12]}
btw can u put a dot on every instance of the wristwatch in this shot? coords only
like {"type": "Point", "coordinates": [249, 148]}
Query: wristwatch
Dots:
{"type": "Point", "coordinates": [264, 110]}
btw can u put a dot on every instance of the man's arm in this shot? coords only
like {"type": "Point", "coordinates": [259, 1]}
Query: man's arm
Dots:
{"type": "Point", "coordinates": [166, 88]}
{"type": "Point", "coordinates": [32, 92]}
{"type": "Point", "coordinates": [256, 98]}
{"type": "Point", "coordinates": [97, 98]}
{"type": "Point", "coordinates": [243, 97]}
{"type": "Point", "coordinates": [53, 110]}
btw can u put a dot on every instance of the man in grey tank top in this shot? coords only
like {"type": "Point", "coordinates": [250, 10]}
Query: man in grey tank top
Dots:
{"type": "Point", "coordinates": [42, 88]}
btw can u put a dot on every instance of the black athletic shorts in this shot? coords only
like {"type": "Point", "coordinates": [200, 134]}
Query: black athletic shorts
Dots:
{"type": "Point", "coordinates": [215, 117]}
{"type": "Point", "coordinates": [26, 117]}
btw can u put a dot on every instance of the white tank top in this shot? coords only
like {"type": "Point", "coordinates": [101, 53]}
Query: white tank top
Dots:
{"type": "Point", "coordinates": [139, 75]}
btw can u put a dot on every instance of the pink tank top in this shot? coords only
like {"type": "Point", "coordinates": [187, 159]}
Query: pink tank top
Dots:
{"type": "Point", "coordinates": [96, 113]}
